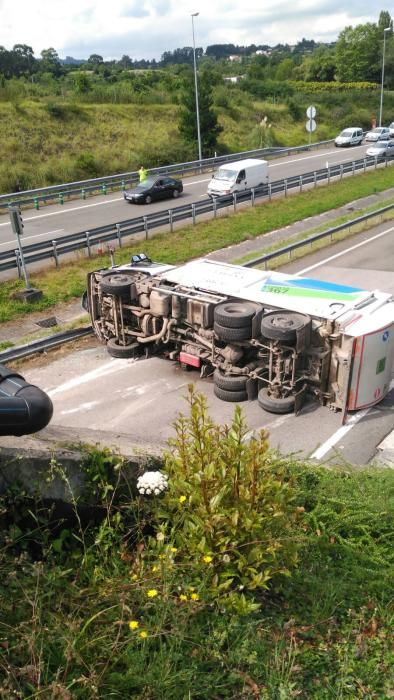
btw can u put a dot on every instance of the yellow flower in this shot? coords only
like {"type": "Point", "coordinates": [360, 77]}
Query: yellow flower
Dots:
{"type": "Point", "coordinates": [173, 549]}
{"type": "Point", "coordinates": [182, 499]}
{"type": "Point", "coordinates": [154, 568]}
{"type": "Point", "coordinates": [207, 559]}
{"type": "Point", "coordinates": [191, 588]}
{"type": "Point", "coordinates": [195, 596]}
{"type": "Point", "coordinates": [183, 597]}
{"type": "Point", "coordinates": [134, 577]}
{"type": "Point", "coordinates": [152, 593]}
{"type": "Point", "coordinates": [143, 634]}
{"type": "Point", "coordinates": [133, 624]}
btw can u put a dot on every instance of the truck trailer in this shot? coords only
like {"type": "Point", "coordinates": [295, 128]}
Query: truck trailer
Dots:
{"type": "Point", "coordinates": [258, 334]}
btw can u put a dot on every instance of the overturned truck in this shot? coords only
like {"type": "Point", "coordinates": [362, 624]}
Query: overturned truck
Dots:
{"type": "Point", "coordinates": [260, 334]}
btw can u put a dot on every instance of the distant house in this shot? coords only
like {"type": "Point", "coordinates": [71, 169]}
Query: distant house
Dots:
{"type": "Point", "coordinates": [233, 78]}
{"type": "Point", "coordinates": [261, 52]}
{"type": "Point", "coordinates": [235, 59]}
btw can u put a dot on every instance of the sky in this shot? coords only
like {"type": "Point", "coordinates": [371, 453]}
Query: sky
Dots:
{"type": "Point", "coordinates": [147, 28]}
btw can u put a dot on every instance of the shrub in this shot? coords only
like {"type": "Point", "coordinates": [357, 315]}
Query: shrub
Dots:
{"type": "Point", "coordinates": [228, 513]}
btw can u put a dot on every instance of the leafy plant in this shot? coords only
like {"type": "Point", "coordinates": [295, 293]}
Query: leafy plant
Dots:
{"type": "Point", "coordinates": [228, 513]}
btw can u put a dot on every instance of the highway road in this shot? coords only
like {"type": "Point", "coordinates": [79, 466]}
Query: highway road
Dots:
{"type": "Point", "coordinates": [57, 220]}
{"type": "Point", "coordinates": [139, 400]}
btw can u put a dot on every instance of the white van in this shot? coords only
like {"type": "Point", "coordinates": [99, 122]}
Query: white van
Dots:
{"type": "Point", "coordinates": [352, 136]}
{"type": "Point", "coordinates": [239, 176]}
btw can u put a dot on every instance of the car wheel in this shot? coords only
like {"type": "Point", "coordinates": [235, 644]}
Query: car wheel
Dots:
{"type": "Point", "coordinates": [175, 193]}
{"type": "Point", "coordinates": [115, 349]}
{"type": "Point", "coordinates": [232, 334]}
{"type": "Point", "coordinates": [231, 396]}
{"type": "Point", "coordinates": [230, 382]}
{"type": "Point", "coordinates": [148, 199]}
{"type": "Point", "coordinates": [283, 325]}
{"type": "Point", "coordinates": [234, 314]}
{"type": "Point", "coordinates": [117, 283]}
{"type": "Point", "coordinates": [274, 404]}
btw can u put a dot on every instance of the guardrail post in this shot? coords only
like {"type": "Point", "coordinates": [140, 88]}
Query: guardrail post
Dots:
{"type": "Point", "coordinates": [315, 179]}
{"type": "Point", "coordinates": [194, 213]}
{"type": "Point", "coordinates": [88, 243]}
{"type": "Point", "coordinates": [328, 175]}
{"type": "Point", "coordinates": [55, 255]}
{"type": "Point", "coordinates": [252, 198]}
{"type": "Point", "coordinates": [341, 170]}
{"type": "Point", "coordinates": [36, 203]}
{"type": "Point", "coordinates": [123, 185]}
{"type": "Point", "coordinates": [83, 194]}
{"type": "Point", "coordinates": [145, 218]}
{"type": "Point", "coordinates": [353, 168]}
{"type": "Point", "coordinates": [235, 201]}
{"type": "Point", "coordinates": [215, 207]}
{"type": "Point", "coordinates": [170, 220]}
{"type": "Point", "coordinates": [376, 162]}
{"type": "Point", "coordinates": [119, 235]}
{"type": "Point", "coordinates": [285, 186]}
{"type": "Point", "coordinates": [104, 188]}
{"type": "Point", "coordinates": [18, 263]}
{"type": "Point", "coordinates": [61, 198]}
{"type": "Point", "coordinates": [365, 164]}
{"type": "Point", "coordinates": [300, 183]}
{"type": "Point", "coordinates": [269, 191]}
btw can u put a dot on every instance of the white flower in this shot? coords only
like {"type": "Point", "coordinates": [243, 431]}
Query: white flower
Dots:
{"type": "Point", "coordinates": [152, 483]}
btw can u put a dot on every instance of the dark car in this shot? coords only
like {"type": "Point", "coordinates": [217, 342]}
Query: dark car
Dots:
{"type": "Point", "coordinates": [153, 188]}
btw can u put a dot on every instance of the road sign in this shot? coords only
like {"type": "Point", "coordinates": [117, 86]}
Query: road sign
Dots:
{"type": "Point", "coordinates": [310, 125]}
{"type": "Point", "coordinates": [311, 112]}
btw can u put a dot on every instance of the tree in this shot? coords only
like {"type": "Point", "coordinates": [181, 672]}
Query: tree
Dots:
{"type": "Point", "coordinates": [95, 60]}
{"type": "Point", "coordinates": [320, 66]}
{"type": "Point", "coordinates": [358, 53]}
{"type": "Point", "coordinates": [385, 21]}
{"type": "Point", "coordinates": [50, 62]}
{"type": "Point", "coordinates": [209, 127]}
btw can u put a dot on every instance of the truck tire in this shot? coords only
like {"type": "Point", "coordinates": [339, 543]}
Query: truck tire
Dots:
{"type": "Point", "coordinates": [122, 351]}
{"type": "Point", "coordinates": [232, 334]}
{"type": "Point", "coordinates": [272, 404]}
{"type": "Point", "coordinates": [230, 382]}
{"type": "Point", "coordinates": [234, 314]}
{"type": "Point", "coordinates": [231, 396]}
{"type": "Point", "coordinates": [283, 325]}
{"type": "Point", "coordinates": [117, 283]}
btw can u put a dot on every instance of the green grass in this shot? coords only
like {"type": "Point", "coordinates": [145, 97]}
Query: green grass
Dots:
{"type": "Point", "coordinates": [325, 633]}
{"type": "Point", "coordinates": [68, 281]}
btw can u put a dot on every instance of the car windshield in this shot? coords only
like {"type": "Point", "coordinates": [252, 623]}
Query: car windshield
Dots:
{"type": "Point", "coordinates": [346, 132]}
{"type": "Point", "coordinates": [226, 175]}
{"type": "Point", "coordinates": [381, 144]}
{"type": "Point", "coordinates": [147, 184]}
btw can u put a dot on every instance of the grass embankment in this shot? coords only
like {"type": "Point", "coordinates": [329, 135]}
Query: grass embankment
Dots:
{"type": "Point", "coordinates": [109, 611]}
{"type": "Point", "coordinates": [189, 242]}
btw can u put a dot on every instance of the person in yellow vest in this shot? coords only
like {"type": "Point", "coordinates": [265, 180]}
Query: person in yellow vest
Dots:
{"type": "Point", "coordinates": [142, 173]}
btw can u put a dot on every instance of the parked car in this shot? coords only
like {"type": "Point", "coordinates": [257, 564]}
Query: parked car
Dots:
{"type": "Point", "coordinates": [381, 149]}
{"type": "Point", "coordinates": [391, 127]}
{"type": "Point", "coordinates": [380, 133]}
{"type": "Point", "coordinates": [352, 136]}
{"type": "Point", "coordinates": [154, 188]}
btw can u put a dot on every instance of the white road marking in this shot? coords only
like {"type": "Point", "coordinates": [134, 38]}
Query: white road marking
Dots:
{"type": "Point", "coordinates": [341, 432]}
{"type": "Point", "coordinates": [348, 250]}
{"type": "Point", "coordinates": [109, 368]}
{"type": "Point", "coordinates": [36, 235]}
{"type": "Point", "coordinates": [81, 407]}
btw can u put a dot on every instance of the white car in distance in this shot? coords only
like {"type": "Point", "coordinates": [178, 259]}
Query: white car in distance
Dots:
{"type": "Point", "coordinates": [380, 133]}
{"type": "Point", "coordinates": [381, 149]}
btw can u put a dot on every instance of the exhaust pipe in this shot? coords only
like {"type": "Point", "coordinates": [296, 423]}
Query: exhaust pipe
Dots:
{"type": "Point", "coordinates": [24, 408]}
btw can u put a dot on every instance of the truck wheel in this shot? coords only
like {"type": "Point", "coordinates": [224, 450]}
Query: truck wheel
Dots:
{"type": "Point", "coordinates": [283, 325]}
{"type": "Point", "coordinates": [272, 404]}
{"type": "Point", "coordinates": [117, 283]}
{"type": "Point", "coordinates": [234, 314]}
{"type": "Point", "coordinates": [231, 334]}
{"type": "Point", "coordinates": [122, 351]}
{"type": "Point", "coordinates": [233, 396]}
{"type": "Point", "coordinates": [230, 382]}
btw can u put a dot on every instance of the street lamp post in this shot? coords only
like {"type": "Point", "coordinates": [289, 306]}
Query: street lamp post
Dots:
{"type": "Point", "coordinates": [195, 14]}
{"type": "Point", "coordinates": [387, 29]}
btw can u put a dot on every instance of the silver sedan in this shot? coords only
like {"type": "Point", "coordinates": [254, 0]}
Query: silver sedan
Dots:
{"type": "Point", "coordinates": [381, 149]}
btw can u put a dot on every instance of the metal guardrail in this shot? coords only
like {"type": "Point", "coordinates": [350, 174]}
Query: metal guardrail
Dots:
{"type": "Point", "coordinates": [53, 341]}
{"type": "Point", "coordinates": [83, 188]}
{"type": "Point", "coordinates": [117, 232]}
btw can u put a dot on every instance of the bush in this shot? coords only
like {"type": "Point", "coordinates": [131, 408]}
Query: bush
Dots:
{"type": "Point", "coordinates": [227, 513]}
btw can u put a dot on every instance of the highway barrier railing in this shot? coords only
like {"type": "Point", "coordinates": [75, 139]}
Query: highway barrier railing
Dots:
{"type": "Point", "coordinates": [94, 240]}
{"type": "Point", "coordinates": [103, 185]}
